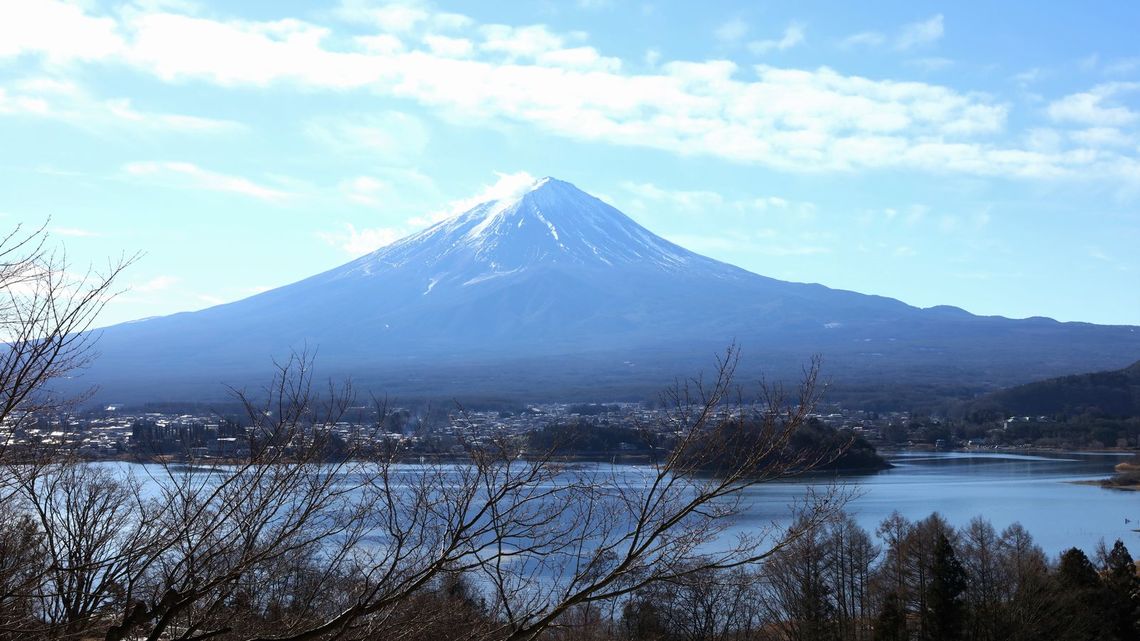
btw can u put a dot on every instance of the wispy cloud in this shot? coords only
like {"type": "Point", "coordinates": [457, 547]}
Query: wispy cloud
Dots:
{"type": "Point", "coordinates": [1029, 76]}
{"type": "Point", "coordinates": [790, 119]}
{"type": "Point", "coordinates": [507, 185]}
{"type": "Point", "coordinates": [1094, 107]}
{"type": "Point", "coordinates": [357, 242]}
{"type": "Point", "coordinates": [793, 35]}
{"type": "Point", "coordinates": [64, 100]}
{"type": "Point", "coordinates": [920, 34]}
{"type": "Point", "coordinates": [1122, 67]}
{"type": "Point", "coordinates": [391, 136]}
{"type": "Point", "coordinates": [732, 31]}
{"type": "Point", "coordinates": [688, 200]}
{"type": "Point", "coordinates": [910, 36]}
{"type": "Point", "coordinates": [156, 284]}
{"type": "Point", "coordinates": [863, 39]}
{"type": "Point", "coordinates": [366, 190]}
{"type": "Point", "coordinates": [190, 176]}
{"type": "Point", "coordinates": [74, 232]}
{"type": "Point", "coordinates": [699, 201]}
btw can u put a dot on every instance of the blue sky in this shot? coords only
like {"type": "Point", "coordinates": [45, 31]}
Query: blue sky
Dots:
{"type": "Point", "coordinates": [984, 155]}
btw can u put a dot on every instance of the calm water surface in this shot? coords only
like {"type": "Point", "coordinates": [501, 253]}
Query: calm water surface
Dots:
{"type": "Point", "coordinates": [1037, 491]}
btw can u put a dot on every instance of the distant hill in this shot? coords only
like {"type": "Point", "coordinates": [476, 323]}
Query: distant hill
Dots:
{"type": "Point", "coordinates": [1114, 393]}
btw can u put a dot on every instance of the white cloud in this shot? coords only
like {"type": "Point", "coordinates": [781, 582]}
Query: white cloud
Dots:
{"type": "Point", "coordinates": [791, 119]}
{"type": "Point", "coordinates": [61, 31]}
{"type": "Point", "coordinates": [389, 17]}
{"type": "Point", "coordinates": [75, 232]}
{"type": "Point", "coordinates": [368, 190]}
{"type": "Point", "coordinates": [190, 176]}
{"type": "Point", "coordinates": [1091, 108]}
{"type": "Point", "coordinates": [156, 284]}
{"type": "Point", "coordinates": [909, 36]}
{"type": "Point", "coordinates": [248, 53]}
{"type": "Point", "coordinates": [919, 34]}
{"type": "Point", "coordinates": [358, 242]}
{"type": "Point", "coordinates": [584, 58]}
{"type": "Point", "coordinates": [519, 42]}
{"type": "Point", "coordinates": [66, 101]}
{"type": "Point", "coordinates": [448, 46]}
{"type": "Point", "coordinates": [1043, 139]}
{"type": "Point", "coordinates": [507, 186]}
{"type": "Point", "coordinates": [793, 35]}
{"type": "Point", "coordinates": [705, 201]}
{"type": "Point", "coordinates": [689, 200]}
{"type": "Point", "coordinates": [1102, 137]}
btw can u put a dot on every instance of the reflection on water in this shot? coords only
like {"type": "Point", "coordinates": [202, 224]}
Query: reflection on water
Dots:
{"type": "Point", "coordinates": [1037, 490]}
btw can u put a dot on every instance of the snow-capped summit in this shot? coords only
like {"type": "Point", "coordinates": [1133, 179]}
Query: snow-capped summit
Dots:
{"type": "Point", "coordinates": [551, 223]}
{"type": "Point", "coordinates": [550, 289]}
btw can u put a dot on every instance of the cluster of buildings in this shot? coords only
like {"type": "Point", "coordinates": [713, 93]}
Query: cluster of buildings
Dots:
{"type": "Point", "coordinates": [115, 432]}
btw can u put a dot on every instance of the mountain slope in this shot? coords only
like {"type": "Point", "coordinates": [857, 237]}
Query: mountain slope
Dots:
{"type": "Point", "coordinates": [1115, 393]}
{"type": "Point", "coordinates": [555, 292]}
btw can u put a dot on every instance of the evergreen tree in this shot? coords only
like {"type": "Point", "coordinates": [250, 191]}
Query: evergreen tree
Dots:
{"type": "Point", "coordinates": [1080, 612]}
{"type": "Point", "coordinates": [890, 625]}
{"type": "Point", "coordinates": [1123, 592]}
{"type": "Point", "coordinates": [944, 603]}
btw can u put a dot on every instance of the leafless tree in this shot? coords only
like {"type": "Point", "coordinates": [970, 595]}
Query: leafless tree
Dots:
{"type": "Point", "coordinates": [46, 313]}
{"type": "Point", "coordinates": [46, 310]}
{"type": "Point", "coordinates": [292, 538]}
{"type": "Point", "coordinates": [291, 543]}
{"type": "Point", "coordinates": [852, 557]}
{"type": "Point", "coordinates": [703, 607]}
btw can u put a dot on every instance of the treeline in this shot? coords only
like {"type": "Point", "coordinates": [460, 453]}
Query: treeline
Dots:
{"type": "Point", "coordinates": [1088, 430]}
{"type": "Point", "coordinates": [833, 581]}
{"type": "Point", "coordinates": [1113, 393]}
{"type": "Point", "coordinates": [909, 581]}
{"type": "Point", "coordinates": [819, 446]}
{"type": "Point", "coordinates": [1098, 409]}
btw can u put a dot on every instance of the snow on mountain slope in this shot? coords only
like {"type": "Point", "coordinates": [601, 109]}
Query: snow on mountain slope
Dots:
{"type": "Point", "coordinates": [552, 223]}
{"type": "Point", "coordinates": [558, 278]}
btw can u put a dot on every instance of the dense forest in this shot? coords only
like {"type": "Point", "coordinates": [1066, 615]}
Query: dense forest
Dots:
{"type": "Point", "coordinates": [923, 580]}
{"type": "Point", "coordinates": [1112, 394]}
{"type": "Point", "coordinates": [821, 447]}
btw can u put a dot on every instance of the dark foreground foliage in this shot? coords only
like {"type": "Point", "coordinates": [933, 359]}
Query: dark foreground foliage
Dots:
{"type": "Point", "coordinates": [833, 581]}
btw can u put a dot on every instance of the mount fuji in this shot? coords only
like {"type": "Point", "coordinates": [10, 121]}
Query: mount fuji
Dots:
{"type": "Point", "coordinates": [553, 292]}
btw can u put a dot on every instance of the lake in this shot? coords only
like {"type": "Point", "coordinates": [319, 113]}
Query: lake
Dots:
{"type": "Point", "coordinates": [1037, 490]}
